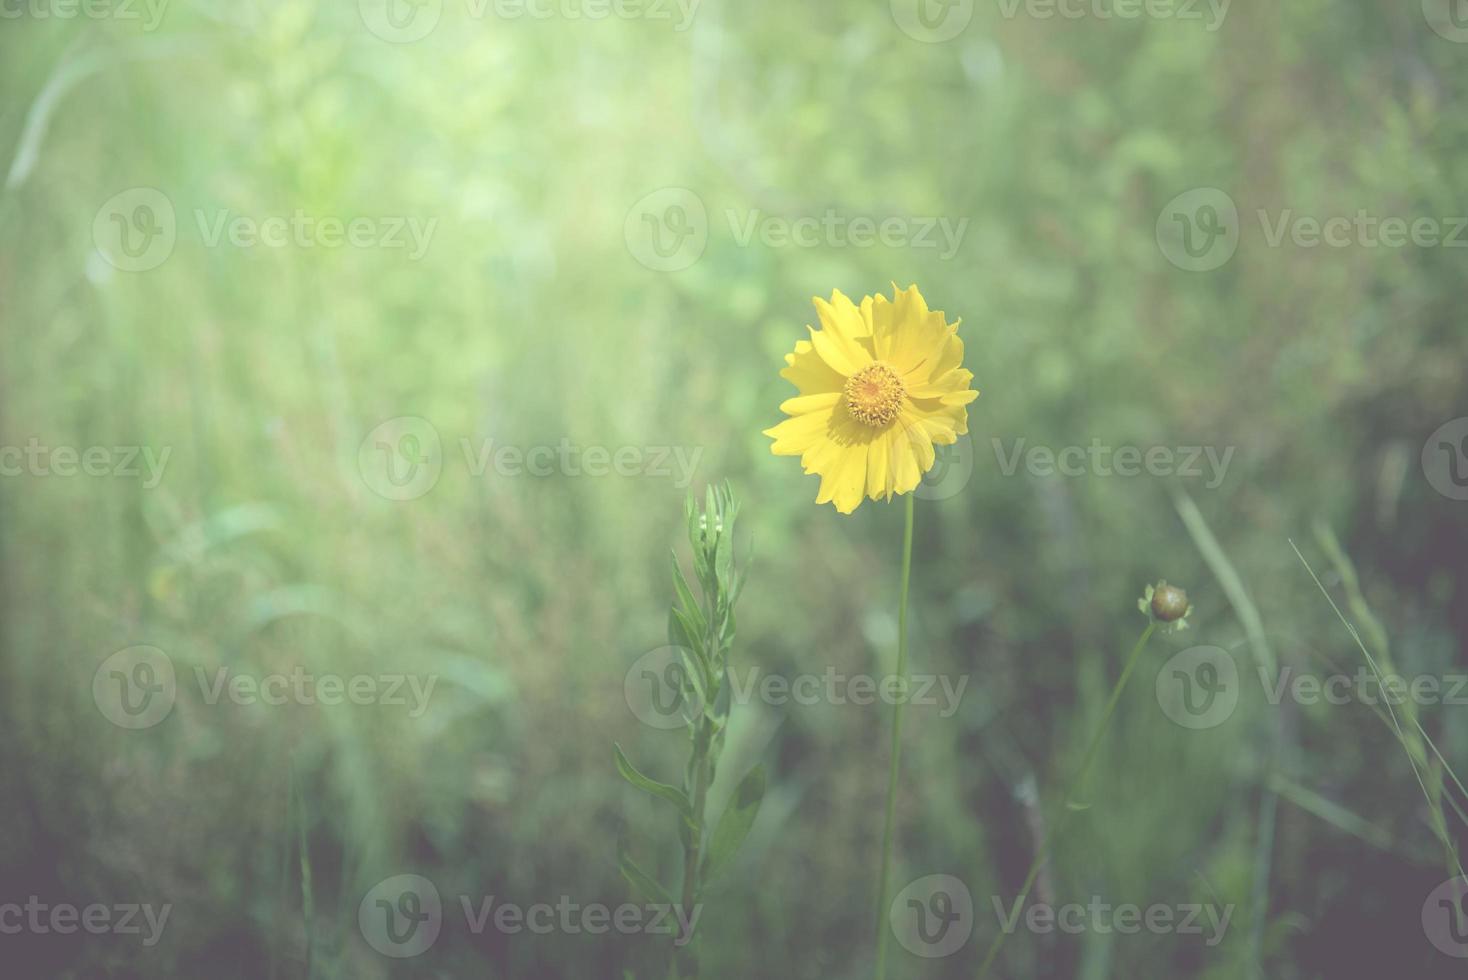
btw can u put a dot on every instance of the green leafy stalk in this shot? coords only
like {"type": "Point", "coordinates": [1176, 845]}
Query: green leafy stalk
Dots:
{"type": "Point", "coordinates": [702, 628]}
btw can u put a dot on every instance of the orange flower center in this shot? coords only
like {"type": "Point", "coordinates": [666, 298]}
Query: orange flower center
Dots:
{"type": "Point", "coordinates": [874, 395]}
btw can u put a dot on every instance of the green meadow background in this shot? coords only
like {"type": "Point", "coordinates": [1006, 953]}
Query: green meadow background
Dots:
{"type": "Point", "coordinates": [606, 268]}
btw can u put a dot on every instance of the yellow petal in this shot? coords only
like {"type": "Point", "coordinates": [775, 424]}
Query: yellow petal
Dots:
{"type": "Point", "coordinates": [952, 387]}
{"type": "Point", "coordinates": [796, 436]}
{"type": "Point", "coordinates": [845, 483]}
{"type": "Point", "coordinates": [913, 445]}
{"type": "Point", "coordinates": [845, 356]}
{"type": "Point", "coordinates": [841, 316]}
{"type": "Point", "coordinates": [941, 423]}
{"type": "Point", "coordinates": [823, 402]}
{"type": "Point", "coordinates": [808, 372]}
{"type": "Point", "coordinates": [879, 472]}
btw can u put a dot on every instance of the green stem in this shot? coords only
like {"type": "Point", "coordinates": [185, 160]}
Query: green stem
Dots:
{"type": "Point", "coordinates": [890, 820]}
{"type": "Point", "coordinates": [692, 853]}
{"type": "Point", "coordinates": [1042, 853]}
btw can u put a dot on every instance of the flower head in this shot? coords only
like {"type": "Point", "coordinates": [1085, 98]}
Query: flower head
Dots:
{"type": "Point", "coordinates": [880, 385]}
{"type": "Point", "coordinates": [1166, 604]}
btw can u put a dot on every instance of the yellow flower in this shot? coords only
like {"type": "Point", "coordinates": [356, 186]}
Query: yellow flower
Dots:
{"type": "Point", "coordinates": [880, 385]}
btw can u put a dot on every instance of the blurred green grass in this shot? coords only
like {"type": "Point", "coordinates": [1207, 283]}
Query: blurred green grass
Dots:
{"type": "Point", "coordinates": [529, 321]}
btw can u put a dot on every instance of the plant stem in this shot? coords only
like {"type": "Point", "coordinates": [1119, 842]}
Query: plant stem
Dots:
{"type": "Point", "coordinates": [892, 773]}
{"type": "Point", "coordinates": [695, 838]}
{"type": "Point", "coordinates": [1042, 853]}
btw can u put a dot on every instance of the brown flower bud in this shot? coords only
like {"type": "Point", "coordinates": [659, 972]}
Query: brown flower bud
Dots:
{"type": "Point", "coordinates": [1169, 603]}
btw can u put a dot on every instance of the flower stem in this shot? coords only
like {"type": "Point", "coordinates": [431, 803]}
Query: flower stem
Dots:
{"type": "Point", "coordinates": [889, 821]}
{"type": "Point", "coordinates": [1042, 853]}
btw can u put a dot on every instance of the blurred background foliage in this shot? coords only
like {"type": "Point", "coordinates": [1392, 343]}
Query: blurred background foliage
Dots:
{"type": "Point", "coordinates": [529, 321]}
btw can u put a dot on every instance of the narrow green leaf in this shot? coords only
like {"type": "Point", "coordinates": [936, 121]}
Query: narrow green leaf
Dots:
{"type": "Point", "coordinates": [735, 822]}
{"type": "Point", "coordinates": [678, 630]}
{"type": "Point", "coordinates": [685, 596]}
{"type": "Point", "coordinates": [640, 880]}
{"type": "Point", "coordinates": [672, 794]}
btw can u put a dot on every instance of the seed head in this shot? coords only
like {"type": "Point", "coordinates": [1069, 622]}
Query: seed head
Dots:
{"type": "Point", "coordinates": [1166, 604]}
